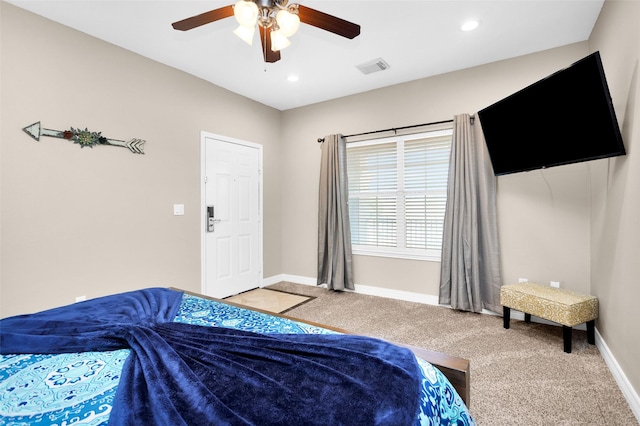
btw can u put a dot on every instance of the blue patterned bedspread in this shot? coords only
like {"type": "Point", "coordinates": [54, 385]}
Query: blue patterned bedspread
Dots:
{"type": "Point", "coordinates": [78, 388]}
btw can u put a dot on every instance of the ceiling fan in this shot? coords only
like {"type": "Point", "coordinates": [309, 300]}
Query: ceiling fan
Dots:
{"type": "Point", "coordinates": [276, 20]}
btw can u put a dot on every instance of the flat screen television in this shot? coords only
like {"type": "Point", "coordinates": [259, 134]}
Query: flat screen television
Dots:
{"type": "Point", "coordinates": [564, 118]}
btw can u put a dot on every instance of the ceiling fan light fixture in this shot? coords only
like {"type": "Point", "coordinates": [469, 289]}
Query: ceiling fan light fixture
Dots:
{"type": "Point", "coordinates": [246, 13]}
{"type": "Point", "coordinates": [245, 34]}
{"type": "Point", "coordinates": [276, 19]}
{"type": "Point", "coordinates": [288, 22]}
{"type": "Point", "coordinates": [278, 40]}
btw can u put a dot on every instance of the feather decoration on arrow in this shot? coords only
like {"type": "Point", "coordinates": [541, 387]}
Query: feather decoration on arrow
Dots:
{"type": "Point", "coordinates": [84, 137]}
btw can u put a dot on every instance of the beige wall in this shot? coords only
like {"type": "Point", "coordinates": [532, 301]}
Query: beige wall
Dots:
{"type": "Point", "coordinates": [543, 215]}
{"type": "Point", "coordinates": [615, 228]}
{"type": "Point", "coordinates": [97, 221]}
{"type": "Point", "coordinates": [577, 224]}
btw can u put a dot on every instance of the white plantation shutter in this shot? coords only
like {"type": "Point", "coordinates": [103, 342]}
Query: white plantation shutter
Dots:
{"type": "Point", "coordinates": [426, 166]}
{"type": "Point", "coordinates": [373, 183]}
{"type": "Point", "coordinates": [397, 194]}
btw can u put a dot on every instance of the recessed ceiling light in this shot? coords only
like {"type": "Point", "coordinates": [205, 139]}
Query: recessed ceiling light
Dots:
{"type": "Point", "coordinates": [469, 26]}
{"type": "Point", "coordinates": [293, 78]}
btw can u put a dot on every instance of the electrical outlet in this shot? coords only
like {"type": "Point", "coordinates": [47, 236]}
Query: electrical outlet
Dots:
{"type": "Point", "coordinates": [523, 280]}
{"type": "Point", "coordinates": [555, 284]}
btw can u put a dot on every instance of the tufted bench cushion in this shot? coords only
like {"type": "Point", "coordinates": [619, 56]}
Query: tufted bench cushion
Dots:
{"type": "Point", "coordinates": [554, 304]}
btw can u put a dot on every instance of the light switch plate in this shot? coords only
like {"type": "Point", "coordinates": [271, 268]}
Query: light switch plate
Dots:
{"type": "Point", "coordinates": [178, 209]}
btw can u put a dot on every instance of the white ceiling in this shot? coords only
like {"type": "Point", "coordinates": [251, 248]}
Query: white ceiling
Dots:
{"type": "Point", "coordinates": [418, 38]}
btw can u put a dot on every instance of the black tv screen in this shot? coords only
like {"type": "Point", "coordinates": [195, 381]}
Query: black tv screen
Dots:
{"type": "Point", "coordinates": [564, 118]}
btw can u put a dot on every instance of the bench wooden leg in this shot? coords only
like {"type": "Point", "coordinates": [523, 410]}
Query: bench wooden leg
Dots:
{"type": "Point", "coordinates": [566, 337]}
{"type": "Point", "coordinates": [506, 315]}
{"type": "Point", "coordinates": [591, 333]}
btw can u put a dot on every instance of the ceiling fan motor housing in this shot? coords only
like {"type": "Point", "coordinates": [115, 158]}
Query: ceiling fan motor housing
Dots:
{"type": "Point", "coordinates": [271, 3]}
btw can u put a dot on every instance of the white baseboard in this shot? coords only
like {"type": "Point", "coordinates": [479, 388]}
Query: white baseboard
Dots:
{"type": "Point", "coordinates": [621, 379]}
{"type": "Point", "coordinates": [397, 294]}
{"type": "Point", "coordinates": [296, 279]}
{"type": "Point", "coordinates": [362, 289]}
{"type": "Point", "coordinates": [271, 280]}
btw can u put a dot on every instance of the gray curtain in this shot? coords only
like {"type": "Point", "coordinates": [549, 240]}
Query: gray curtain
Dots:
{"type": "Point", "coordinates": [470, 269]}
{"type": "Point", "coordinates": [334, 232]}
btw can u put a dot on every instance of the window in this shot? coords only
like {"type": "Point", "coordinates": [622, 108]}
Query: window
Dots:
{"type": "Point", "coordinates": [398, 194]}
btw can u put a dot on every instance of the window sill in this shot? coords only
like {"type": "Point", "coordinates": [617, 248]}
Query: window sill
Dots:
{"type": "Point", "coordinates": [409, 256]}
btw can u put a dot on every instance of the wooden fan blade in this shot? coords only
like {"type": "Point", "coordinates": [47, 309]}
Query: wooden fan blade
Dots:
{"type": "Point", "coordinates": [265, 37]}
{"type": "Point", "coordinates": [203, 18]}
{"type": "Point", "coordinates": [328, 22]}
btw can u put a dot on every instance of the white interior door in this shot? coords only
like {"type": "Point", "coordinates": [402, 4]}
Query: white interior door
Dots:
{"type": "Point", "coordinates": [232, 246]}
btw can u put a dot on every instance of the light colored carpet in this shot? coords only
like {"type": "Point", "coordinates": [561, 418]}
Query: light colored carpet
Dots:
{"type": "Point", "coordinates": [519, 376]}
{"type": "Point", "coordinates": [269, 300]}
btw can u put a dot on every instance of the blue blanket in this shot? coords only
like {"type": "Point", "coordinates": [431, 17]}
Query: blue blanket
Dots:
{"type": "Point", "coordinates": [186, 374]}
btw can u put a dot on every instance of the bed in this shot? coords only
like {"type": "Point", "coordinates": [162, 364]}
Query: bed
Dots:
{"type": "Point", "coordinates": [166, 356]}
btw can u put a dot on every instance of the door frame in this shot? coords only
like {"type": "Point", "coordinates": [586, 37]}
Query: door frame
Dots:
{"type": "Point", "coordinates": [203, 206]}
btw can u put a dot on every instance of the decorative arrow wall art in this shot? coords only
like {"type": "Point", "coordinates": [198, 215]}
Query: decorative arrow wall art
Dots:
{"type": "Point", "coordinates": [84, 137]}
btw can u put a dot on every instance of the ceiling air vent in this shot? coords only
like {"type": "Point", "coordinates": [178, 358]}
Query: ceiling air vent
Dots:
{"type": "Point", "coordinates": [373, 66]}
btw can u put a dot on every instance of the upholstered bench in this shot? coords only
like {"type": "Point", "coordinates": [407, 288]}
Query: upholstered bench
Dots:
{"type": "Point", "coordinates": [554, 304]}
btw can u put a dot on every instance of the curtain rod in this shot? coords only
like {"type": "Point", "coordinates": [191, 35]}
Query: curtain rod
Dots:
{"type": "Point", "coordinates": [320, 140]}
